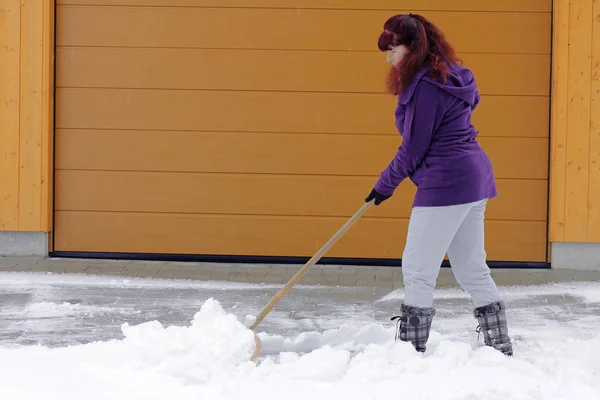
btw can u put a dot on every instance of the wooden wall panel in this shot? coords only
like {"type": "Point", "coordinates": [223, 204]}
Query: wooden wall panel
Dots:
{"type": "Point", "coordinates": [162, 192]}
{"type": "Point", "coordinates": [522, 116]}
{"type": "Point", "coordinates": [266, 235]}
{"type": "Point", "coordinates": [10, 71]}
{"type": "Point", "coordinates": [309, 29]}
{"type": "Point", "coordinates": [593, 227]}
{"type": "Point", "coordinates": [48, 59]}
{"type": "Point", "coordinates": [575, 158]}
{"type": "Point", "coordinates": [431, 5]}
{"type": "Point", "coordinates": [31, 111]}
{"type": "Point", "coordinates": [578, 130]}
{"type": "Point", "coordinates": [270, 153]}
{"type": "Point", "coordinates": [26, 96]}
{"type": "Point", "coordinates": [278, 70]}
{"type": "Point", "coordinates": [558, 137]}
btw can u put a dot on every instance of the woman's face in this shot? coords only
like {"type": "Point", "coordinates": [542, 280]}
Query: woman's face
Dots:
{"type": "Point", "coordinates": [396, 54]}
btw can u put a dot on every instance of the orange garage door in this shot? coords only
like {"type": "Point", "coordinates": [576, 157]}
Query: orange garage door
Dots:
{"type": "Point", "coordinates": [257, 127]}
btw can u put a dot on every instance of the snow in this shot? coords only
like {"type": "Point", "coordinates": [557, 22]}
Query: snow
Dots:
{"type": "Point", "coordinates": [208, 358]}
{"type": "Point", "coordinates": [587, 291]}
{"type": "Point", "coordinates": [47, 309]}
{"type": "Point", "coordinates": [28, 279]}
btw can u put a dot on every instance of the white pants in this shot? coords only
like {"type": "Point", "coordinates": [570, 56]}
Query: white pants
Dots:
{"type": "Point", "coordinates": [458, 231]}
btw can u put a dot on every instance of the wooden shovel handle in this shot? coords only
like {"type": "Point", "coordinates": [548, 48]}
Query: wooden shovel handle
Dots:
{"type": "Point", "coordinates": [284, 290]}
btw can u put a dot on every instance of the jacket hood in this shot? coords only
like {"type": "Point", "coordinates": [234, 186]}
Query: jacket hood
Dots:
{"type": "Point", "coordinates": [460, 83]}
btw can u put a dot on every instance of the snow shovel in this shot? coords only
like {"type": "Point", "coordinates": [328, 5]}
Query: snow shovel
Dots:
{"type": "Point", "coordinates": [303, 271]}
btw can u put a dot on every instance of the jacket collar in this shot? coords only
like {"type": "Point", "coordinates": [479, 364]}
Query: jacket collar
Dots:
{"type": "Point", "coordinates": [405, 96]}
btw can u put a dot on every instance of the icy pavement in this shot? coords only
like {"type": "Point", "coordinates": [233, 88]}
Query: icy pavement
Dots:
{"type": "Point", "coordinates": [100, 337]}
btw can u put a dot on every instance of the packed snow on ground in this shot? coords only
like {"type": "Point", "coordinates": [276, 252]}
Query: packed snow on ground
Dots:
{"type": "Point", "coordinates": [209, 359]}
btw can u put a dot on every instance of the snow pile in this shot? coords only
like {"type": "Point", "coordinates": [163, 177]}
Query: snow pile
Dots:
{"type": "Point", "coordinates": [212, 347]}
{"type": "Point", "coordinates": [210, 360]}
{"type": "Point", "coordinates": [353, 338]}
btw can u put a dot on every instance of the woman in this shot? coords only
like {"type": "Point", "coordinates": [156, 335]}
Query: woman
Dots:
{"type": "Point", "coordinates": [453, 175]}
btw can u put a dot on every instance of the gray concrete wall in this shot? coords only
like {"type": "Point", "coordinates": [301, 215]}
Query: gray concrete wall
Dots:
{"type": "Point", "coordinates": [580, 256]}
{"type": "Point", "coordinates": [24, 244]}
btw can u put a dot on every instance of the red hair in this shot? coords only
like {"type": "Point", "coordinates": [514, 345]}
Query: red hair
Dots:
{"type": "Point", "coordinates": [426, 44]}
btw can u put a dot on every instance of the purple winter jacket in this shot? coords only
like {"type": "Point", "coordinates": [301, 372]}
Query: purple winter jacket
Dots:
{"type": "Point", "coordinates": [439, 150]}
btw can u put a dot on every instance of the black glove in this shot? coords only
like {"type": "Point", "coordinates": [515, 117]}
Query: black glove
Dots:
{"type": "Point", "coordinates": [379, 198]}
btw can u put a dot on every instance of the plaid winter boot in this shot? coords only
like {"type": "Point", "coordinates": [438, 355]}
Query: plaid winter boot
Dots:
{"type": "Point", "coordinates": [493, 324]}
{"type": "Point", "coordinates": [413, 325]}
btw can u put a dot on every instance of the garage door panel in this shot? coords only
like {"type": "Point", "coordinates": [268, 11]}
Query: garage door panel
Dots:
{"type": "Point", "coordinates": [270, 153]}
{"type": "Point", "coordinates": [288, 28]}
{"type": "Point", "coordinates": [189, 110]}
{"type": "Point", "coordinates": [270, 236]}
{"type": "Point", "coordinates": [322, 71]}
{"type": "Point", "coordinates": [436, 5]}
{"type": "Point", "coordinates": [257, 127]}
{"type": "Point", "coordinates": [264, 194]}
